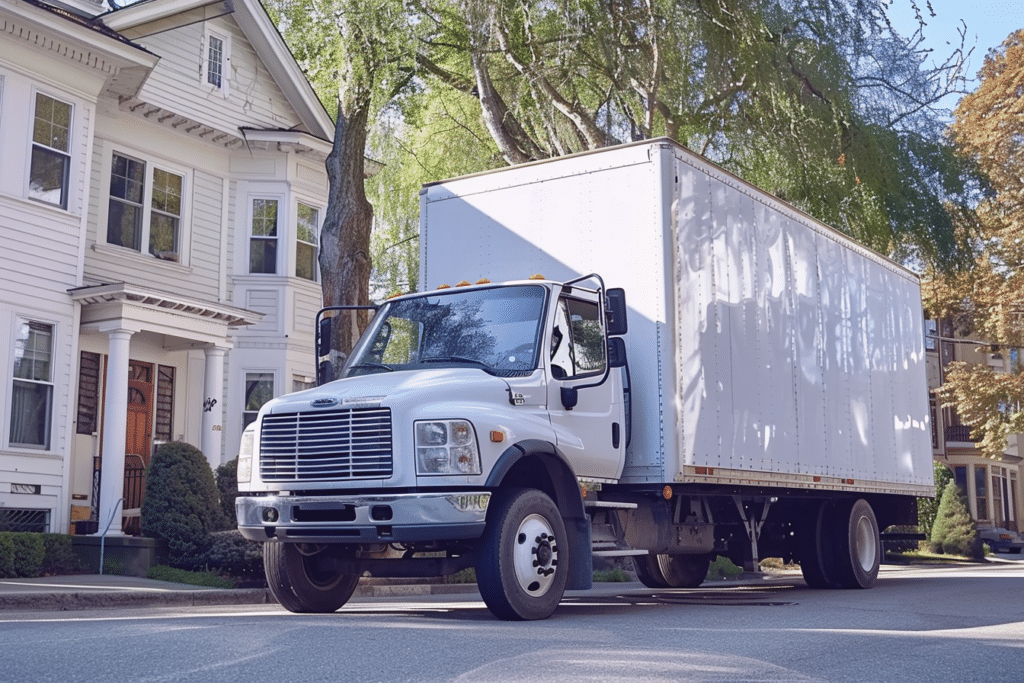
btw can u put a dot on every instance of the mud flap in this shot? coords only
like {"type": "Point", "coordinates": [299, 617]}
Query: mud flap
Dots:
{"type": "Point", "coordinates": [581, 563]}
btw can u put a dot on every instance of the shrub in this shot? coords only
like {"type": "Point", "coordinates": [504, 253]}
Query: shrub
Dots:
{"type": "Point", "coordinates": [953, 532]}
{"type": "Point", "coordinates": [227, 485]}
{"type": "Point", "coordinates": [6, 556]}
{"type": "Point", "coordinates": [722, 568]}
{"type": "Point", "coordinates": [230, 553]}
{"type": "Point", "coordinates": [21, 555]}
{"type": "Point", "coordinates": [181, 506]}
{"type": "Point", "coordinates": [928, 507]}
{"type": "Point", "coordinates": [162, 572]}
{"type": "Point", "coordinates": [59, 557]}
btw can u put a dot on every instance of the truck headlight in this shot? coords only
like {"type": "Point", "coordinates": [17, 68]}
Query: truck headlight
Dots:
{"type": "Point", "coordinates": [446, 447]}
{"type": "Point", "coordinates": [245, 454]}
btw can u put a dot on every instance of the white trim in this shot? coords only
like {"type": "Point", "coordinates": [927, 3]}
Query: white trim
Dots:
{"type": "Point", "coordinates": [67, 203]}
{"type": "Point", "coordinates": [224, 88]}
{"type": "Point", "coordinates": [17, 319]}
{"type": "Point", "coordinates": [282, 233]}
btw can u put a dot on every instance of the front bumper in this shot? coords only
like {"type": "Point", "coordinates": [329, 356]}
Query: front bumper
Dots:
{"type": "Point", "coordinates": [364, 518]}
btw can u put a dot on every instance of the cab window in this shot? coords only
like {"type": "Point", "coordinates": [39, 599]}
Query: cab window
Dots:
{"type": "Point", "coordinates": [577, 340]}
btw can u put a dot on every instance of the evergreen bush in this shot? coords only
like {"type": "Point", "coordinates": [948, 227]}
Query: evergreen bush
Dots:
{"type": "Point", "coordinates": [928, 507]}
{"type": "Point", "coordinates": [182, 506]}
{"type": "Point", "coordinates": [230, 553]}
{"type": "Point", "coordinates": [953, 531]}
{"type": "Point", "coordinates": [6, 556]}
{"type": "Point", "coordinates": [21, 554]}
{"type": "Point", "coordinates": [227, 484]}
{"type": "Point", "coordinates": [59, 557]}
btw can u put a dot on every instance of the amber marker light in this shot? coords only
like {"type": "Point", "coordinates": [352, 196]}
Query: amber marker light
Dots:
{"type": "Point", "coordinates": [483, 281]}
{"type": "Point", "coordinates": [537, 276]}
{"type": "Point", "coordinates": [464, 283]}
{"type": "Point", "coordinates": [497, 436]}
{"type": "Point", "coordinates": [444, 286]}
{"type": "Point", "coordinates": [666, 493]}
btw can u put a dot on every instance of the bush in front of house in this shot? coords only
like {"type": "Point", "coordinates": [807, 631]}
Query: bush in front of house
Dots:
{"type": "Point", "coordinates": [953, 531]}
{"type": "Point", "coordinates": [21, 555]}
{"type": "Point", "coordinates": [230, 553]}
{"type": "Point", "coordinates": [182, 505]}
{"type": "Point", "coordinates": [227, 484]}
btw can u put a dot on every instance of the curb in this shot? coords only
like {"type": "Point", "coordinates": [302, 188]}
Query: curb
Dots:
{"type": "Point", "coordinates": [102, 599]}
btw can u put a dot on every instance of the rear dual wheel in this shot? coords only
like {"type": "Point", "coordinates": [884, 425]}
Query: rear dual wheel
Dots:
{"type": "Point", "coordinates": [672, 571]}
{"type": "Point", "coordinates": [840, 545]}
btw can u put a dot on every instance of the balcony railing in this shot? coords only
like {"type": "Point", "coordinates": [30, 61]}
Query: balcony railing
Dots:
{"type": "Point", "coordinates": [961, 433]}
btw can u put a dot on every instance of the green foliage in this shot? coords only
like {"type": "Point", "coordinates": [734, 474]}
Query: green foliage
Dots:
{"type": "Point", "coordinates": [21, 554]}
{"type": "Point", "coordinates": [953, 531]}
{"type": "Point", "coordinates": [230, 553]}
{"type": "Point", "coordinates": [209, 579]}
{"type": "Point", "coordinates": [182, 507]}
{"type": "Point", "coordinates": [722, 568]}
{"type": "Point", "coordinates": [927, 508]}
{"type": "Point", "coordinates": [615, 575]}
{"type": "Point", "coordinates": [227, 486]}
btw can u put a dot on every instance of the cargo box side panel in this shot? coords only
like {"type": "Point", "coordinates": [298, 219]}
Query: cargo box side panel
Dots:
{"type": "Point", "coordinates": [837, 335]}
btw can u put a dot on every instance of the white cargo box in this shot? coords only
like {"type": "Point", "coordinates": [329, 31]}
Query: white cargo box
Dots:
{"type": "Point", "coordinates": [764, 347]}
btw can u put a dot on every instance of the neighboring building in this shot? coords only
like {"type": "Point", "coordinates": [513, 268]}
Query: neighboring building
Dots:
{"type": "Point", "coordinates": [994, 486]}
{"type": "Point", "coordinates": [162, 187]}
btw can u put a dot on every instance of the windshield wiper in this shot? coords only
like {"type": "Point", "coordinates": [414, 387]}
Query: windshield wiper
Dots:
{"type": "Point", "coordinates": [379, 366]}
{"type": "Point", "coordinates": [455, 359]}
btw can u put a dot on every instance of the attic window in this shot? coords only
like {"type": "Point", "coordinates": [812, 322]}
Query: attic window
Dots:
{"type": "Point", "coordinates": [216, 59]}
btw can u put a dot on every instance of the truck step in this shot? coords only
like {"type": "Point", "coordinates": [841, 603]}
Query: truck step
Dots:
{"type": "Point", "coordinates": [608, 504]}
{"type": "Point", "coordinates": [617, 553]}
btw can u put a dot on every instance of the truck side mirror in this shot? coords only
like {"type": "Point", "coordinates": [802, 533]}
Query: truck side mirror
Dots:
{"type": "Point", "coordinates": [323, 337]}
{"type": "Point", "coordinates": [324, 373]}
{"type": "Point", "coordinates": [616, 352]}
{"type": "Point", "coordinates": [615, 300]}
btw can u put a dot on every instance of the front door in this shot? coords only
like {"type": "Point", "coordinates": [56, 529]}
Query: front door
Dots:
{"type": "Point", "coordinates": [138, 440]}
{"type": "Point", "coordinates": [591, 433]}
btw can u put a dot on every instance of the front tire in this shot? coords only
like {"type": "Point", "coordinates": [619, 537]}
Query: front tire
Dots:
{"type": "Point", "coordinates": [299, 580]}
{"type": "Point", "coordinates": [524, 557]}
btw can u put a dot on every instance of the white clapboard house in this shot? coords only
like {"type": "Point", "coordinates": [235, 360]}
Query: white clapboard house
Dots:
{"type": "Point", "coordinates": [162, 186]}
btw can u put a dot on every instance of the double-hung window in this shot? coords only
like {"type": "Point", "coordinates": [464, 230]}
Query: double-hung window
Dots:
{"type": "Point", "coordinates": [263, 236]}
{"type": "Point", "coordinates": [145, 208]}
{"type": "Point", "coordinates": [259, 388]}
{"type": "Point", "coordinates": [307, 232]}
{"type": "Point", "coordinates": [216, 61]}
{"type": "Point", "coordinates": [51, 151]}
{"type": "Point", "coordinates": [32, 393]}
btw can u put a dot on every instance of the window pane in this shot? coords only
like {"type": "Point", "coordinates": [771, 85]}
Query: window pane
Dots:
{"type": "Point", "coordinates": [30, 413]}
{"type": "Point", "coordinates": [166, 192]}
{"type": "Point", "coordinates": [306, 225]}
{"type": "Point", "coordinates": [127, 179]}
{"type": "Point", "coordinates": [215, 61]}
{"type": "Point", "coordinates": [52, 124]}
{"type": "Point", "coordinates": [264, 217]}
{"type": "Point", "coordinates": [163, 236]}
{"type": "Point", "coordinates": [124, 225]}
{"type": "Point", "coordinates": [263, 256]}
{"type": "Point", "coordinates": [305, 261]}
{"type": "Point", "coordinates": [32, 351]}
{"type": "Point", "coordinates": [259, 388]}
{"type": "Point", "coordinates": [48, 176]}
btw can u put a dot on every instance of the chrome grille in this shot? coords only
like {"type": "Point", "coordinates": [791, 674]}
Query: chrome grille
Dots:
{"type": "Point", "coordinates": [326, 445]}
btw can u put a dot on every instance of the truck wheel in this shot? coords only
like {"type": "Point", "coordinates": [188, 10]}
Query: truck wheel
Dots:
{"type": "Point", "coordinates": [300, 584]}
{"type": "Point", "coordinates": [672, 571]}
{"type": "Point", "coordinates": [523, 560]}
{"type": "Point", "coordinates": [648, 570]}
{"type": "Point", "coordinates": [859, 546]}
{"type": "Point", "coordinates": [817, 555]}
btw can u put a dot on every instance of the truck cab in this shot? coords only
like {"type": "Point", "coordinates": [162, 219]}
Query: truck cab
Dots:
{"type": "Point", "coordinates": [465, 420]}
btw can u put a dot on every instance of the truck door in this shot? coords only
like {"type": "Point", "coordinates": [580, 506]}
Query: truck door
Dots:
{"type": "Point", "coordinates": [591, 433]}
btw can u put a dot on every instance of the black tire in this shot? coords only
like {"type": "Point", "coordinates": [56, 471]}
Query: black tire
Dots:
{"type": "Point", "coordinates": [300, 584]}
{"type": "Point", "coordinates": [684, 571]}
{"type": "Point", "coordinates": [817, 552]}
{"type": "Point", "coordinates": [859, 555]}
{"type": "Point", "coordinates": [648, 570]}
{"type": "Point", "coordinates": [524, 558]}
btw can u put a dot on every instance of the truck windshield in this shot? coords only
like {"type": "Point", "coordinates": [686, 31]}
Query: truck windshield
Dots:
{"type": "Point", "coordinates": [496, 329]}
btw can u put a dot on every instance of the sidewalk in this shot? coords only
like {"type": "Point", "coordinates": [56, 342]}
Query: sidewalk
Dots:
{"type": "Point", "coordinates": [94, 591]}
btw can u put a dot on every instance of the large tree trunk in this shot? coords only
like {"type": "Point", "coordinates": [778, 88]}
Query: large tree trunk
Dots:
{"type": "Point", "coordinates": [345, 238]}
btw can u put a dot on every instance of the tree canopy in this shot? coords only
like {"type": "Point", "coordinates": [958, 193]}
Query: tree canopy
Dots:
{"type": "Point", "coordinates": [987, 299]}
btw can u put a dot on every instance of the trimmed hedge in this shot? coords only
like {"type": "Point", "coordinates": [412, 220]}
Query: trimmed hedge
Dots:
{"type": "Point", "coordinates": [27, 555]}
{"type": "Point", "coordinates": [182, 505]}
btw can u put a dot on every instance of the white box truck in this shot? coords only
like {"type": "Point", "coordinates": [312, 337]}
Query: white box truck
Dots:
{"type": "Point", "coordinates": [762, 394]}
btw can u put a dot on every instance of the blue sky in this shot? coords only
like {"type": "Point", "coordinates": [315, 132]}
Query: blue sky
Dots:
{"type": "Point", "coordinates": [988, 24]}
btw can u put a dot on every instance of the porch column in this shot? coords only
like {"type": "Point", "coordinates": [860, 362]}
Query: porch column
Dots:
{"type": "Point", "coordinates": [115, 427]}
{"type": "Point", "coordinates": [212, 440]}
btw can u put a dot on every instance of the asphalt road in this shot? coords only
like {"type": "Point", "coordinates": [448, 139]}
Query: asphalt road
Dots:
{"type": "Point", "coordinates": [951, 624]}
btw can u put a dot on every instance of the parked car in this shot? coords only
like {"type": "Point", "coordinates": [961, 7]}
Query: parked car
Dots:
{"type": "Point", "coordinates": [1002, 540]}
